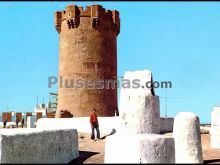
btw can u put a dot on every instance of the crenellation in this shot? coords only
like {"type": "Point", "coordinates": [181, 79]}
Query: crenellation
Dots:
{"type": "Point", "coordinates": [72, 12]}
{"type": "Point", "coordinates": [86, 12]}
{"type": "Point", "coordinates": [98, 15]}
{"type": "Point", "coordinates": [58, 20]}
{"type": "Point", "coordinates": [72, 16]}
{"type": "Point", "coordinates": [63, 15]}
{"type": "Point", "coordinates": [108, 14]}
{"type": "Point", "coordinates": [116, 20]}
{"type": "Point", "coordinates": [81, 9]}
{"type": "Point", "coordinates": [97, 11]}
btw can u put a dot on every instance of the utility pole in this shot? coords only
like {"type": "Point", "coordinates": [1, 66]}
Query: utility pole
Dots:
{"type": "Point", "coordinates": [166, 102]}
{"type": "Point", "coordinates": [37, 102]}
{"type": "Point", "coordinates": [7, 108]}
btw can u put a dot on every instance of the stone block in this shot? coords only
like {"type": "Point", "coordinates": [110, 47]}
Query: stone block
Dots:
{"type": "Point", "coordinates": [215, 128]}
{"type": "Point", "coordinates": [215, 117]}
{"type": "Point", "coordinates": [187, 137]}
{"type": "Point", "coordinates": [21, 146]}
{"type": "Point", "coordinates": [143, 76]}
{"type": "Point", "coordinates": [144, 148]}
{"type": "Point", "coordinates": [142, 115]}
{"type": "Point", "coordinates": [166, 124]}
{"type": "Point", "coordinates": [30, 121]}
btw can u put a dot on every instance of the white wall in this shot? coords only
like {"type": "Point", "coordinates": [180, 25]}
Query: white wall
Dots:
{"type": "Point", "coordinates": [82, 124]}
{"type": "Point", "coordinates": [106, 124]}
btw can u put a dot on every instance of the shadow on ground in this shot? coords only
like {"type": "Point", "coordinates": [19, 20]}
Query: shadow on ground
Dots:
{"type": "Point", "coordinates": [112, 133]}
{"type": "Point", "coordinates": [83, 156]}
{"type": "Point", "coordinates": [212, 161]}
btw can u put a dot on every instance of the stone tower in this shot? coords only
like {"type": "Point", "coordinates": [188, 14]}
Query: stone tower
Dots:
{"type": "Point", "coordinates": [87, 52]}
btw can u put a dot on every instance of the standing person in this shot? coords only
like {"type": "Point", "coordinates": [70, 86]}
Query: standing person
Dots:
{"type": "Point", "coordinates": [5, 122]}
{"type": "Point", "coordinates": [17, 121]}
{"type": "Point", "coordinates": [94, 125]}
{"type": "Point", "coordinates": [22, 122]}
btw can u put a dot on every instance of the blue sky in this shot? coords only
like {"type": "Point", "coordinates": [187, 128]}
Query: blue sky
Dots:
{"type": "Point", "coordinates": [177, 41]}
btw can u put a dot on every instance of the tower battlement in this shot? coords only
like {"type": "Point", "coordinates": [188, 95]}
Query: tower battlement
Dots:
{"type": "Point", "coordinates": [97, 13]}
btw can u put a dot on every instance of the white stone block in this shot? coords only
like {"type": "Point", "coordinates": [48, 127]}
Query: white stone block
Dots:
{"type": "Point", "coordinates": [215, 128]}
{"type": "Point", "coordinates": [38, 146]}
{"type": "Point", "coordinates": [215, 117]}
{"type": "Point", "coordinates": [187, 137]}
{"type": "Point", "coordinates": [144, 148]}
{"type": "Point", "coordinates": [142, 115]}
{"type": "Point", "coordinates": [143, 76]}
{"type": "Point", "coordinates": [166, 124]}
{"type": "Point", "coordinates": [30, 121]}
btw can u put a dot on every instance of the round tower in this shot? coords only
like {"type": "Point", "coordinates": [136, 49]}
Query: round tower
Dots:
{"type": "Point", "coordinates": [87, 53]}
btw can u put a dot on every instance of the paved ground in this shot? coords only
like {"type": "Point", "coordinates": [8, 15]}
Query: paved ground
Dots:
{"type": "Point", "coordinates": [93, 151]}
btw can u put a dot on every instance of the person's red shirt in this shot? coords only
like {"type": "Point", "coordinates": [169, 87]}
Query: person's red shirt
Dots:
{"type": "Point", "coordinates": [93, 118]}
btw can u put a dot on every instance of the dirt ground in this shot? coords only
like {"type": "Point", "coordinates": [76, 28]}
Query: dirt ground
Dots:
{"type": "Point", "coordinates": [90, 151]}
{"type": "Point", "coordinates": [93, 151]}
{"type": "Point", "coordinates": [210, 156]}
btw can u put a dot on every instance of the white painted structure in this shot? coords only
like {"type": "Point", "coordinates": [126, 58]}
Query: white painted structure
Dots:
{"type": "Point", "coordinates": [166, 124]}
{"type": "Point", "coordinates": [142, 148]}
{"type": "Point", "coordinates": [186, 133]}
{"type": "Point", "coordinates": [30, 121]}
{"type": "Point", "coordinates": [42, 109]}
{"type": "Point", "coordinates": [139, 108]}
{"type": "Point", "coordinates": [143, 76]}
{"type": "Point", "coordinates": [142, 115]}
{"type": "Point", "coordinates": [9, 124]}
{"type": "Point", "coordinates": [107, 125]}
{"type": "Point", "coordinates": [215, 128]}
{"type": "Point", "coordinates": [23, 145]}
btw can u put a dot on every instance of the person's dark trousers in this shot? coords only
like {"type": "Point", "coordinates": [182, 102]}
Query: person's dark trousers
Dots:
{"type": "Point", "coordinates": [93, 132]}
